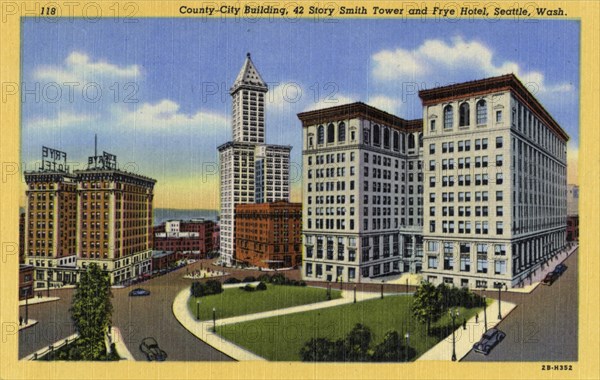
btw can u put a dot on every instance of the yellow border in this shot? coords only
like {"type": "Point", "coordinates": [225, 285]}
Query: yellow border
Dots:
{"type": "Point", "coordinates": [588, 12]}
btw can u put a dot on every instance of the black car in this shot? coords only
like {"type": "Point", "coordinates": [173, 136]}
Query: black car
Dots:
{"type": "Point", "coordinates": [560, 269]}
{"type": "Point", "coordinates": [488, 341]}
{"type": "Point", "coordinates": [139, 292]}
{"type": "Point", "coordinates": [550, 278]}
{"type": "Point", "coordinates": [150, 348]}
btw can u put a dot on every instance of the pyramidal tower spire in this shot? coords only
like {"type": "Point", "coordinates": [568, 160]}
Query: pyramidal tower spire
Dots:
{"type": "Point", "coordinates": [248, 111]}
{"type": "Point", "coordinates": [248, 77]}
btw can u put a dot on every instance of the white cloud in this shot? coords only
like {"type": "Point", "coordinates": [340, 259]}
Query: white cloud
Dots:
{"type": "Point", "coordinates": [79, 67]}
{"type": "Point", "coordinates": [385, 103]}
{"type": "Point", "coordinates": [437, 61]}
{"type": "Point", "coordinates": [332, 101]}
{"type": "Point", "coordinates": [166, 115]}
{"type": "Point", "coordinates": [62, 120]}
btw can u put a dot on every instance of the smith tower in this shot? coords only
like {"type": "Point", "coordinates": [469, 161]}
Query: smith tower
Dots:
{"type": "Point", "coordinates": [248, 111]}
{"type": "Point", "coordinates": [251, 170]}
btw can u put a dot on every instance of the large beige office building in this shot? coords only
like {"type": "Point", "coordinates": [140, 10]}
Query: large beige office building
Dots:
{"type": "Point", "coordinates": [495, 184]}
{"type": "Point", "coordinates": [362, 194]}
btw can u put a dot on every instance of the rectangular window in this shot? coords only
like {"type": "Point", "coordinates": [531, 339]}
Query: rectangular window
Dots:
{"type": "Point", "coordinates": [499, 116]}
{"type": "Point", "coordinates": [500, 267]}
{"type": "Point", "coordinates": [465, 264]}
{"type": "Point", "coordinates": [499, 142]}
{"type": "Point", "coordinates": [432, 262]}
{"type": "Point", "coordinates": [499, 228]}
{"type": "Point", "coordinates": [431, 148]}
{"type": "Point", "coordinates": [432, 125]}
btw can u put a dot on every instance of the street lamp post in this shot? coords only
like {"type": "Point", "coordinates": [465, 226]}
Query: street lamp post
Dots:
{"type": "Point", "coordinates": [500, 299]}
{"type": "Point", "coordinates": [328, 290]}
{"type": "Point", "coordinates": [407, 286]}
{"type": "Point", "coordinates": [198, 310]}
{"type": "Point", "coordinates": [485, 313]}
{"type": "Point", "coordinates": [407, 336]}
{"type": "Point", "coordinates": [27, 307]}
{"type": "Point", "coordinates": [214, 320]}
{"type": "Point", "coordinates": [341, 283]}
{"type": "Point", "coordinates": [453, 315]}
{"type": "Point", "coordinates": [354, 293]}
{"type": "Point", "coordinates": [48, 283]}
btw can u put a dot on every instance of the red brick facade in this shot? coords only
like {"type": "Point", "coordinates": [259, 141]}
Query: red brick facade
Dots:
{"type": "Point", "coordinates": [268, 235]}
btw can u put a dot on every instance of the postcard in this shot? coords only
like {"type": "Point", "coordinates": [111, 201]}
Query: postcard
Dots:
{"type": "Point", "coordinates": [342, 190]}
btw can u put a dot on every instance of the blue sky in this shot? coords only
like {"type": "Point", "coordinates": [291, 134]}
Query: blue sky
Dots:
{"type": "Point", "coordinates": [157, 91]}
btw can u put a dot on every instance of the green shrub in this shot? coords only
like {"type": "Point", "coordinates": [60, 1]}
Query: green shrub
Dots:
{"type": "Point", "coordinates": [261, 286]}
{"type": "Point", "coordinates": [232, 280]}
{"type": "Point", "coordinates": [249, 279]}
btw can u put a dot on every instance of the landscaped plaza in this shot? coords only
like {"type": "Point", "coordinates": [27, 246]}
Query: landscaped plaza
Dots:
{"type": "Point", "coordinates": [280, 338]}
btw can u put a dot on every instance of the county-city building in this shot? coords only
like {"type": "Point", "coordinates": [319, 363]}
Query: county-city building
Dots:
{"type": "Point", "coordinates": [472, 195]}
{"type": "Point", "coordinates": [495, 183]}
{"type": "Point", "coordinates": [362, 193]}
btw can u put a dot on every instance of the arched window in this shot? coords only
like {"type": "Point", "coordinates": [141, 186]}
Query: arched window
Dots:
{"type": "Point", "coordinates": [396, 141]}
{"type": "Point", "coordinates": [481, 112]}
{"type": "Point", "coordinates": [376, 135]}
{"type": "Point", "coordinates": [386, 137]}
{"type": "Point", "coordinates": [330, 133]}
{"type": "Point", "coordinates": [448, 116]}
{"type": "Point", "coordinates": [341, 132]}
{"type": "Point", "coordinates": [464, 114]}
{"type": "Point", "coordinates": [320, 135]}
{"type": "Point", "coordinates": [366, 136]}
{"type": "Point", "coordinates": [411, 141]}
{"type": "Point", "coordinates": [420, 140]}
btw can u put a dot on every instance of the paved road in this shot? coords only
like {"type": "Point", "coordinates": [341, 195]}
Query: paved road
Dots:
{"type": "Point", "coordinates": [544, 326]}
{"type": "Point", "coordinates": [136, 317]}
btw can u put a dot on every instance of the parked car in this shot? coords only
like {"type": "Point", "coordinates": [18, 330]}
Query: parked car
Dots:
{"type": "Point", "coordinates": [150, 348]}
{"type": "Point", "coordinates": [560, 269]}
{"type": "Point", "coordinates": [139, 292]}
{"type": "Point", "coordinates": [488, 341]}
{"type": "Point", "coordinates": [550, 278]}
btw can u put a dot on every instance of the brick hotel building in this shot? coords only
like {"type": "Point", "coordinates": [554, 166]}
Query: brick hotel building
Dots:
{"type": "Point", "coordinates": [99, 215]}
{"type": "Point", "coordinates": [474, 194]}
{"type": "Point", "coordinates": [268, 235]}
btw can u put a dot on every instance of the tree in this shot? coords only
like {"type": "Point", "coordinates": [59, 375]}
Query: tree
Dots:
{"type": "Point", "coordinates": [323, 350]}
{"type": "Point", "coordinates": [390, 349]}
{"type": "Point", "coordinates": [357, 343]}
{"type": "Point", "coordinates": [91, 311]}
{"type": "Point", "coordinates": [427, 304]}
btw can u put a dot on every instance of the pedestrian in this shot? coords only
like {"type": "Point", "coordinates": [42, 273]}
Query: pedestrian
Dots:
{"type": "Point", "coordinates": [20, 320]}
{"type": "Point", "coordinates": [464, 323]}
{"type": "Point", "coordinates": [477, 318]}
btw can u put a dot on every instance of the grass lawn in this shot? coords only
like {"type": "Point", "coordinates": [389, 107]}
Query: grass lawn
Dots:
{"type": "Point", "coordinates": [234, 302]}
{"type": "Point", "coordinates": [280, 338]}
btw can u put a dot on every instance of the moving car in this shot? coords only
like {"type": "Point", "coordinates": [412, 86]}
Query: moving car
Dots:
{"type": "Point", "coordinates": [488, 341]}
{"type": "Point", "coordinates": [139, 292]}
{"type": "Point", "coordinates": [550, 278]}
{"type": "Point", "coordinates": [150, 348]}
{"type": "Point", "coordinates": [560, 269]}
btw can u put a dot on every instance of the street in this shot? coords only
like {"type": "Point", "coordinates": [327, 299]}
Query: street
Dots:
{"type": "Point", "coordinates": [136, 317]}
{"type": "Point", "coordinates": [544, 326]}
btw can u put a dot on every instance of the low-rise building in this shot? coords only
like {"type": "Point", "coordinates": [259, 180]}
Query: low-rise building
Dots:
{"type": "Point", "coordinates": [193, 237]}
{"type": "Point", "coordinates": [268, 235]}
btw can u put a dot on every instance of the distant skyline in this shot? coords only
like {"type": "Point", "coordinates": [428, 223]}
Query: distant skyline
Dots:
{"type": "Point", "coordinates": [157, 91]}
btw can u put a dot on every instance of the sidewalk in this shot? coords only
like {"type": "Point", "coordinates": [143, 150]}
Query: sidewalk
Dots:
{"type": "Point", "coordinates": [122, 349]}
{"type": "Point", "coordinates": [466, 338]}
{"type": "Point", "coordinates": [36, 300]}
{"type": "Point", "coordinates": [30, 322]}
{"type": "Point", "coordinates": [203, 329]}
{"type": "Point", "coordinates": [529, 284]}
